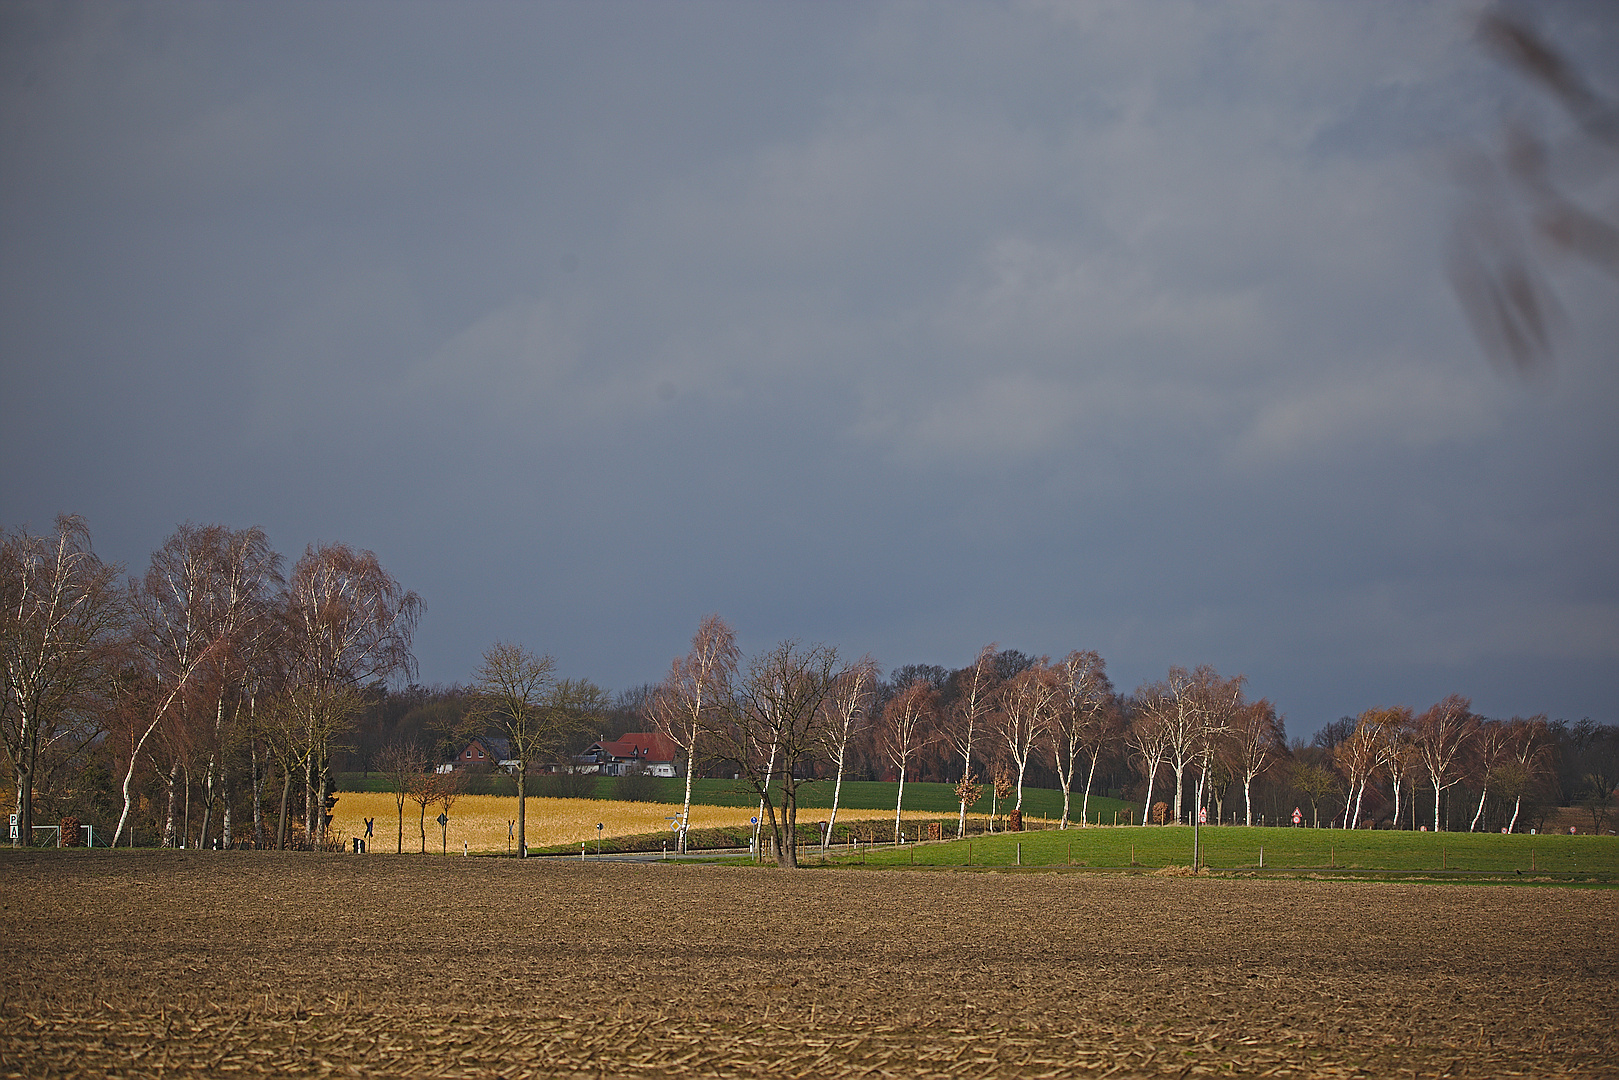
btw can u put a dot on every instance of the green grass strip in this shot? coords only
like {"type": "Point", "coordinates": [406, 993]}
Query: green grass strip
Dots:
{"type": "Point", "coordinates": [1238, 848]}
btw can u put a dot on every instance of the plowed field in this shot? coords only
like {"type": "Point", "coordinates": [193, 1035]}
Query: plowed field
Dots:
{"type": "Point", "coordinates": [185, 963]}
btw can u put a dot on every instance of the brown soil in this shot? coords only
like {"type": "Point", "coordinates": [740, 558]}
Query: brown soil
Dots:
{"type": "Point", "coordinates": [229, 963]}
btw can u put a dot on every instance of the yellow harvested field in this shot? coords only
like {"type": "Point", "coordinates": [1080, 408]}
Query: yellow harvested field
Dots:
{"type": "Point", "coordinates": [484, 822]}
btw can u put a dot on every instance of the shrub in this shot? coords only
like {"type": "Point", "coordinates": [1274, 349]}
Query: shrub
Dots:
{"type": "Point", "coordinates": [635, 787]}
{"type": "Point", "coordinates": [566, 785]}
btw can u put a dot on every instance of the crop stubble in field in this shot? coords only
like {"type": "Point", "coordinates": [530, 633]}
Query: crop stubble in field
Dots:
{"type": "Point", "coordinates": [196, 963]}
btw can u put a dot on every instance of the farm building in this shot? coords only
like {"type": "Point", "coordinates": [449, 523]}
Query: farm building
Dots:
{"type": "Point", "coordinates": [637, 751]}
{"type": "Point", "coordinates": [485, 750]}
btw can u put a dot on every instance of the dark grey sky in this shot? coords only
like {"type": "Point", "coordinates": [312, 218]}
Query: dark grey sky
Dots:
{"type": "Point", "coordinates": [900, 327]}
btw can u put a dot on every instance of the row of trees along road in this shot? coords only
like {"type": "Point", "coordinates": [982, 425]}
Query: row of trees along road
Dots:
{"type": "Point", "coordinates": [217, 679]}
{"type": "Point", "coordinates": [794, 713]}
{"type": "Point", "coordinates": [1376, 763]}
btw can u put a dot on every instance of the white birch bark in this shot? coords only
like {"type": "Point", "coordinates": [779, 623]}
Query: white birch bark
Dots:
{"type": "Point", "coordinates": [848, 708]}
{"type": "Point", "coordinates": [975, 698]}
{"type": "Point", "coordinates": [697, 686]}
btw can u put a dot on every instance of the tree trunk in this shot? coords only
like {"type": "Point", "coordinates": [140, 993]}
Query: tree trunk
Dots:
{"type": "Point", "coordinates": [764, 801]}
{"type": "Point", "coordinates": [1180, 782]}
{"type": "Point", "coordinates": [25, 790]}
{"type": "Point", "coordinates": [837, 788]}
{"type": "Point", "coordinates": [898, 802]}
{"type": "Point", "coordinates": [286, 797]}
{"type": "Point", "coordinates": [1146, 808]}
{"type": "Point", "coordinates": [522, 807]}
{"type": "Point", "coordinates": [1248, 801]}
{"type": "Point", "coordinates": [1483, 793]}
{"type": "Point", "coordinates": [173, 781]}
{"type": "Point", "coordinates": [258, 796]}
{"type": "Point", "coordinates": [319, 842]}
{"type": "Point", "coordinates": [129, 796]}
{"type": "Point", "coordinates": [25, 808]}
{"type": "Point", "coordinates": [185, 817]}
{"type": "Point", "coordinates": [789, 813]}
{"type": "Point", "coordinates": [966, 771]}
{"type": "Point", "coordinates": [1516, 803]}
{"type": "Point", "coordinates": [1085, 803]}
{"type": "Point", "coordinates": [225, 819]}
{"type": "Point", "coordinates": [768, 813]}
{"type": "Point", "coordinates": [685, 806]}
{"type": "Point", "coordinates": [207, 807]}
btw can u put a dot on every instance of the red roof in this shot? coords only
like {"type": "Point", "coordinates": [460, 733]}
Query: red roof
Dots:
{"type": "Point", "coordinates": [645, 745]}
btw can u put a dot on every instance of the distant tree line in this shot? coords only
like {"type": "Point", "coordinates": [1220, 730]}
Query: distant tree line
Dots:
{"type": "Point", "coordinates": [794, 714]}
{"type": "Point", "coordinates": [214, 700]}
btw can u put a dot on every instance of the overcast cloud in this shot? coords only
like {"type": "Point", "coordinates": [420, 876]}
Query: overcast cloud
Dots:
{"type": "Point", "coordinates": [903, 327]}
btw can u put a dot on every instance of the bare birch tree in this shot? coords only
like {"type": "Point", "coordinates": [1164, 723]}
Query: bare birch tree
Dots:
{"type": "Point", "coordinates": [1106, 733]}
{"type": "Point", "coordinates": [1257, 739]}
{"type": "Point", "coordinates": [1177, 702]}
{"type": "Point", "coordinates": [967, 716]}
{"type": "Point", "coordinates": [349, 622]}
{"type": "Point", "coordinates": [1084, 698]}
{"type": "Point", "coordinates": [1397, 752]}
{"type": "Point", "coordinates": [1491, 748]}
{"type": "Point", "coordinates": [1357, 758]}
{"type": "Point", "coordinates": [1027, 703]}
{"type": "Point", "coordinates": [1219, 701]}
{"type": "Point", "coordinates": [1444, 734]}
{"type": "Point", "coordinates": [59, 611]}
{"type": "Point", "coordinates": [698, 686]}
{"type": "Point", "coordinates": [1149, 737]}
{"type": "Point", "coordinates": [848, 709]}
{"type": "Point", "coordinates": [204, 619]}
{"type": "Point", "coordinates": [903, 730]}
{"type": "Point", "coordinates": [1532, 747]}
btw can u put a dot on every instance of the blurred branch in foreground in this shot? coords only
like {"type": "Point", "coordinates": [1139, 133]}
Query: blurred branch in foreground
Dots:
{"type": "Point", "coordinates": [1518, 197]}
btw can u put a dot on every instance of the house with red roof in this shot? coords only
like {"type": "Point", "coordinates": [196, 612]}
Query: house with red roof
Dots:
{"type": "Point", "coordinates": [635, 751]}
{"type": "Point", "coordinates": [490, 751]}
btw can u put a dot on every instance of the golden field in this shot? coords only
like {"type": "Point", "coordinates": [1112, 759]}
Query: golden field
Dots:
{"type": "Point", "coordinates": [484, 822]}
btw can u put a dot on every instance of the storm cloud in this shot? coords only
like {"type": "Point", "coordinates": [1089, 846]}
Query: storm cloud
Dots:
{"type": "Point", "coordinates": [900, 327]}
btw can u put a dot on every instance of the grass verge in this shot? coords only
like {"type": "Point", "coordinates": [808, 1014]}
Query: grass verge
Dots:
{"type": "Point", "coordinates": [1250, 850]}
